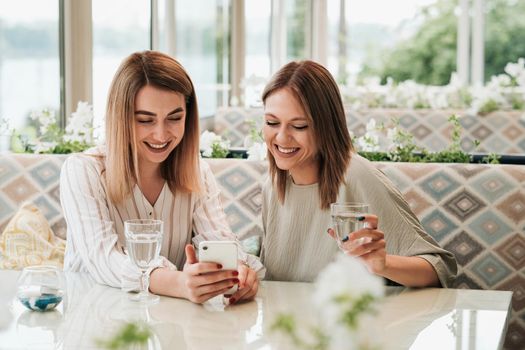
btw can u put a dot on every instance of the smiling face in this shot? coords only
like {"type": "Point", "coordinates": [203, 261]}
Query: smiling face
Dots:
{"type": "Point", "coordinates": [289, 137]}
{"type": "Point", "coordinates": [159, 124]}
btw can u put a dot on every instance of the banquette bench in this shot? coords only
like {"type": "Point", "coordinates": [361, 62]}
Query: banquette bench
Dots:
{"type": "Point", "coordinates": [477, 211]}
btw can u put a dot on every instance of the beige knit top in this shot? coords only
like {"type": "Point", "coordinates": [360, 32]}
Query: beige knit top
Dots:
{"type": "Point", "coordinates": [296, 246]}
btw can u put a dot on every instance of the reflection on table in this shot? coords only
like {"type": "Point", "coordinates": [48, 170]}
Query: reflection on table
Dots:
{"type": "Point", "coordinates": [406, 319]}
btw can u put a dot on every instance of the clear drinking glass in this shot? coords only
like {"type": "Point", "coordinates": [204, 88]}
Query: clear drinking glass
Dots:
{"type": "Point", "coordinates": [143, 240]}
{"type": "Point", "coordinates": [345, 220]}
{"type": "Point", "coordinates": [40, 288]}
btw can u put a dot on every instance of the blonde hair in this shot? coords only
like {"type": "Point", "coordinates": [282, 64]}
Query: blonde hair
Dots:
{"type": "Point", "coordinates": [181, 168]}
{"type": "Point", "coordinates": [316, 90]}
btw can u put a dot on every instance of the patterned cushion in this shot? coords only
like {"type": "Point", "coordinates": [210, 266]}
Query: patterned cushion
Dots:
{"type": "Point", "coordinates": [28, 240]}
{"type": "Point", "coordinates": [476, 211]}
{"type": "Point", "coordinates": [35, 179]}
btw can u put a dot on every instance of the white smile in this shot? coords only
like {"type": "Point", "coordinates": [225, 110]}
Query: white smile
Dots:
{"type": "Point", "coordinates": [157, 146]}
{"type": "Point", "coordinates": [286, 150]}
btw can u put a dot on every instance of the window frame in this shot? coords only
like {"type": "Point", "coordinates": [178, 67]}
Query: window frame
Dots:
{"type": "Point", "coordinates": [76, 48]}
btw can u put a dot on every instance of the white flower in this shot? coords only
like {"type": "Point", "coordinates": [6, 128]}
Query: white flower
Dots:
{"type": "Point", "coordinates": [257, 151]}
{"type": "Point", "coordinates": [43, 147]}
{"type": "Point", "coordinates": [392, 141]}
{"type": "Point", "coordinates": [45, 119]}
{"type": "Point", "coordinates": [208, 140]}
{"type": "Point", "coordinates": [515, 69]}
{"type": "Point", "coordinates": [79, 127]}
{"type": "Point", "coordinates": [5, 129]}
{"type": "Point", "coordinates": [371, 125]}
{"type": "Point", "coordinates": [497, 81]}
{"type": "Point", "coordinates": [346, 277]}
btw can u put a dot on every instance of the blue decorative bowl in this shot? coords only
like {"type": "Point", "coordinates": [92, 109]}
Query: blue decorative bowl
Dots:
{"type": "Point", "coordinates": [44, 302]}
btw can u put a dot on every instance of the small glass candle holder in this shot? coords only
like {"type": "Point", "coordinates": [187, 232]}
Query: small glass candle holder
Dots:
{"type": "Point", "coordinates": [41, 288]}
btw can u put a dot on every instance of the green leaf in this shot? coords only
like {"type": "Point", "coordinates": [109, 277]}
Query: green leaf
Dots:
{"type": "Point", "coordinates": [130, 334]}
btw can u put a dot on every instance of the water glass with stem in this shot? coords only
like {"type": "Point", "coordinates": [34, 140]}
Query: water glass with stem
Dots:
{"type": "Point", "coordinates": [143, 242]}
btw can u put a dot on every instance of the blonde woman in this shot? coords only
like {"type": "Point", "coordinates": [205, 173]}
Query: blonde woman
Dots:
{"type": "Point", "coordinates": [150, 168]}
{"type": "Point", "coordinates": [313, 164]}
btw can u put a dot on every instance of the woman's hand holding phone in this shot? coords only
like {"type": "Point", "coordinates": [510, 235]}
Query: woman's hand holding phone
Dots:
{"type": "Point", "coordinates": [248, 284]}
{"type": "Point", "coordinates": [205, 280]}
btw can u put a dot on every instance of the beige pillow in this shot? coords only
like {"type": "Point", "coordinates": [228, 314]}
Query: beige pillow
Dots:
{"type": "Point", "coordinates": [28, 240]}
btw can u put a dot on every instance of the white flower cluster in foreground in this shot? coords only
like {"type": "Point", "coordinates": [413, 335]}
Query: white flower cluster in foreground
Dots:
{"type": "Point", "coordinates": [340, 290]}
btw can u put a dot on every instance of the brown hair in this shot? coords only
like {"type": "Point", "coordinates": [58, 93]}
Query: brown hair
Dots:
{"type": "Point", "coordinates": [181, 168]}
{"type": "Point", "coordinates": [317, 92]}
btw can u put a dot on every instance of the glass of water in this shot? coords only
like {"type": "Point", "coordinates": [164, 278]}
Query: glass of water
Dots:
{"type": "Point", "coordinates": [143, 241]}
{"type": "Point", "coordinates": [348, 218]}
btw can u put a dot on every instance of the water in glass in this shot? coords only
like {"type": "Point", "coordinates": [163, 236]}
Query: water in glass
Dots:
{"type": "Point", "coordinates": [143, 241]}
{"type": "Point", "coordinates": [345, 220]}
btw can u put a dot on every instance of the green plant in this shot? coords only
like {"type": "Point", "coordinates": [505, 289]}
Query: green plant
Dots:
{"type": "Point", "coordinates": [213, 146]}
{"type": "Point", "coordinates": [50, 138]}
{"type": "Point", "coordinates": [131, 334]}
{"type": "Point", "coordinates": [488, 106]}
{"type": "Point", "coordinates": [286, 324]}
{"type": "Point", "coordinates": [254, 131]}
{"type": "Point", "coordinates": [404, 149]}
{"type": "Point", "coordinates": [491, 158]}
{"type": "Point", "coordinates": [345, 311]}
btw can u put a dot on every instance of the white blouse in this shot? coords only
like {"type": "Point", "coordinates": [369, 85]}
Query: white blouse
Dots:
{"type": "Point", "coordinates": [95, 226]}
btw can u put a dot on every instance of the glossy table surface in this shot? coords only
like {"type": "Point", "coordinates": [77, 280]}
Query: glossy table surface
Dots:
{"type": "Point", "coordinates": [406, 319]}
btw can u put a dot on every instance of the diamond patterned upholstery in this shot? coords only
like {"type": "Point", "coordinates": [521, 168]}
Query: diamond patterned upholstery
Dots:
{"type": "Point", "coordinates": [28, 177]}
{"type": "Point", "coordinates": [476, 211]}
{"type": "Point", "coordinates": [499, 132]}
{"type": "Point", "coordinates": [230, 122]}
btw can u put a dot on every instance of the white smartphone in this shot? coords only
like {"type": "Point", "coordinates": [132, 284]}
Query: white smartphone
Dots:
{"type": "Point", "coordinates": [220, 252]}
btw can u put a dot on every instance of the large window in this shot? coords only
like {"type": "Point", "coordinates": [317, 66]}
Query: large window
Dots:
{"type": "Point", "coordinates": [203, 48]}
{"type": "Point", "coordinates": [120, 27]}
{"type": "Point", "coordinates": [376, 32]}
{"type": "Point", "coordinates": [405, 39]}
{"type": "Point", "coordinates": [504, 30]}
{"type": "Point", "coordinates": [297, 16]}
{"type": "Point", "coordinates": [29, 60]}
{"type": "Point", "coordinates": [257, 43]}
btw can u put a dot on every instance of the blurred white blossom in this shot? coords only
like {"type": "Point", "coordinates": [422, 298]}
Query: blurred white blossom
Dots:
{"type": "Point", "coordinates": [369, 142]}
{"type": "Point", "coordinates": [45, 118]}
{"type": "Point", "coordinates": [213, 145]}
{"type": "Point", "coordinates": [80, 124]}
{"type": "Point", "coordinates": [503, 91]}
{"type": "Point", "coordinates": [76, 137]}
{"type": "Point", "coordinates": [257, 151]}
{"type": "Point", "coordinates": [517, 71]}
{"type": "Point", "coordinates": [339, 287]}
{"type": "Point", "coordinates": [44, 146]}
{"type": "Point", "coordinates": [5, 128]}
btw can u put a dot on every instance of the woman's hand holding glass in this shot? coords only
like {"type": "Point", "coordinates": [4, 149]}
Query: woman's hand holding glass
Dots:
{"type": "Point", "coordinates": [367, 243]}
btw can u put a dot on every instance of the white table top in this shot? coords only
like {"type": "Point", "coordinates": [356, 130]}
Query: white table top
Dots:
{"type": "Point", "coordinates": [407, 319]}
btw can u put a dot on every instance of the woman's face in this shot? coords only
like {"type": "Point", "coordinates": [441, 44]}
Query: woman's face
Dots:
{"type": "Point", "coordinates": [289, 136]}
{"type": "Point", "coordinates": [159, 123]}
